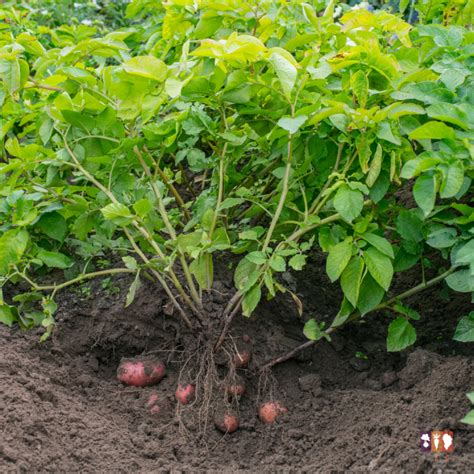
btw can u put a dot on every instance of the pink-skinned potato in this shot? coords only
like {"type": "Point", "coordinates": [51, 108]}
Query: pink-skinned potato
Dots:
{"type": "Point", "coordinates": [226, 421]}
{"type": "Point", "coordinates": [152, 399]}
{"type": "Point", "coordinates": [185, 393]}
{"type": "Point", "coordinates": [270, 411]}
{"type": "Point", "coordinates": [242, 358]}
{"type": "Point", "coordinates": [236, 388]}
{"type": "Point", "coordinates": [140, 373]}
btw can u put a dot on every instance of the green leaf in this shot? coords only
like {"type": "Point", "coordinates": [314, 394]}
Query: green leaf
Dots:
{"type": "Point", "coordinates": [143, 207]}
{"type": "Point", "coordinates": [370, 295]}
{"type": "Point", "coordinates": [401, 334]}
{"type": "Point", "coordinates": [12, 247]}
{"type": "Point", "coordinates": [453, 178]}
{"type": "Point", "coordinates": [245, 275]}
{"type": "Point", "coordinates": [117, 212]}
{"type": "Point", "coordinates": [6, 315]}
{"type": "Point", "coordinates": [380, 243]}
{"type": "Point", "coordinates": [10, 74]}
{"type": "Point", "coordinates": [406, 311]}
{"type": "Point", "coordinates": [380, 267]}
{"type": "Point", "coordinates": [343, 315]}
{"type": "Point", "coordinates": [278, 263]}
{"type": "Point", "coordinates": [251, 300]}
{"type": "Point", "coordinates": [130, 262]}
{"type": "Point", "coordinates": [292, 125]}
{"type": "Point", "coordinates": [384, 132]}
{"type": "Point", "coordinates": [469, 418]}
{"type": "Point", "coordinates": [230, 202]}
{"type": "Point", "coordinates": [148, 67]}
{"type": "Point", "coordinates": [432, 130]}
{"type": "Point", "coordinates": [465, 329]}
{"type": "Point", "coordinates": [448, 113]}
{"type": "Point", "coordinates": [351, 279]}
{"type": "Point", "coordinates": [297, 262]}
{"type": "Point", "coordinates": [286, 72]}
{"type": "Point", "coordinates": [312, 330]}
{"type": "Point", "coordinates": [338, 258]}
{"type": "Point", "coordinates": [410, 226]}
{"type": "Point", "coordinates": [54, 259]}
{"type": "Point", "coordinates": [257, 257]}
{"type": "Point", "coordinates": [53, 225]}
{"type": "Point", "coordinates": [462, 281]}
{"type": "Point", "coordinates": [424, 192]}
{"type": "Point", "coordinates": [442, 238]}
{"type": "Point", "coordinates": [360, 87]}
{"type": "Point", "coordinates": [348, 202]}
{"type": "Point", "coordinates": [203, 270]}
{"type": "Point", "coordinates": [465, 254]}
{"type": "Point", "coordinates": [375, 167]}
{"type": "Point", "coordinates": [133, 290]}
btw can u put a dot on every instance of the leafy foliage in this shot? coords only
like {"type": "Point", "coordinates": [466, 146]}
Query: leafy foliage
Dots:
{"type": "Point", "coordinates": [266, 129]}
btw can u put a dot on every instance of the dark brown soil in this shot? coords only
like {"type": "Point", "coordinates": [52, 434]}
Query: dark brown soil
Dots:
{"type": "Point", "coordinates": [62, 409]}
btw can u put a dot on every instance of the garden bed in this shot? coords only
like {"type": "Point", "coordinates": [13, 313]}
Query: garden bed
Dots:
{"type": "Point", "coordinates": [63, 409]}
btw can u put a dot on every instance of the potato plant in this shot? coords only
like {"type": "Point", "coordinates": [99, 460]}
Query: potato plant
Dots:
{"type": "Point", "coordinates": [266, 129]}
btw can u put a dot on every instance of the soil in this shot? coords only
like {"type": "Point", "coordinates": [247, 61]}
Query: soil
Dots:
{"type": "Point", "coordinates": [63, 410]}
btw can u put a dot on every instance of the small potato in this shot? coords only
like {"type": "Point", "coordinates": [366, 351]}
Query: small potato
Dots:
{"type": "Point", "coordinates": [235, 388]}
{"type": "Point", "coordinates": [152, 399]}
{"type": "Point", "coordinates": [270, 411]}
{"type": "Point", "coordinates": [242, 359]}
{"type": "Point", "coordinates": [155, 410]}
{"type": "Point", "coordinates": [185, 393]}
{"type": "Point", "coordinates": [226, 421]}
{"type": "Point", "coordinates": [140, 373]}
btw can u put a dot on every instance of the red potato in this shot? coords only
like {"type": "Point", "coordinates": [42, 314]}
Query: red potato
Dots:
{"type": "Point", "coordinates": [242, 358]}
{"type": "Point", "coordinates": [226, 421]}
{"type": "Point", "coordinates": [270, 411]}
{"type": "Point", "coordinates": [185, 393]}
{"type": "Point", "coordinates": [155, 410]}
{"type": "Point", "coordinates": [236, 388]}
{"type": "Point", "coordinates": [152, 399]}
{"type": "Point", "coordinates": [140, 373]}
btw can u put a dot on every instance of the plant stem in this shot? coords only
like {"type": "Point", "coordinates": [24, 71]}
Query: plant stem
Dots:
{"type": "Point", "coordinates": [169, 227]}
{"type": "Point", "coordinates": [163, 283]}
{"type": "Point", "coordinates": [170, 186]}
{"type": "Point", "coordinates": [314, 207]}
{"type": "Point", "coordinates": [78, 279]}
{"type": "Point", "coordinates": [141, 229]}
{"type": "Point", "coordinates": [37, 85]}
{"type": "Point", "coordinates": [300, 232]}
{"type": "Point", "coordinates": [220, 193]}
{"type": "Point", "coordinates": [228, 322]}
{"type": "Point", "coordinates": [416, 289]}
{"type": "Point", "coordinates": [282, 200]}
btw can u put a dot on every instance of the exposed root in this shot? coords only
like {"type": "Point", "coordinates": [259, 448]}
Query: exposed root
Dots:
{"type": "Point", "coordinates": [210, 379]}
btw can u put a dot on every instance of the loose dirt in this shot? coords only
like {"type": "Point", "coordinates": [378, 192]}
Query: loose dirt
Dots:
{"type": "Point", "coordinates": [62, 409]}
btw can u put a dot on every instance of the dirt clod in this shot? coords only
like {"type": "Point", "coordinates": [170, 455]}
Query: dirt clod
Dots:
{"type": "Point", "coordinates": [418, 367]}
{"type": "Point", "coordinates": [310, 383]}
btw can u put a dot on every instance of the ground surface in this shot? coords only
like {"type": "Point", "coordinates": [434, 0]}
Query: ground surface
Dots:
{"type": "Point", "coordinates": [62, 410]}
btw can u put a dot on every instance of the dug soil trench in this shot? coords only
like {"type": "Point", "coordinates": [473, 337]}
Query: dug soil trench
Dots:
{"type": "Point", "coordinates": [352, 406]}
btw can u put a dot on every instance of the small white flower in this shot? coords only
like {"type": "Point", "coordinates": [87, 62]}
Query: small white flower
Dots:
{"type": "Point", "coordinates": [337, 12]}
{"type": "Point", "coordinates": [86, 22]}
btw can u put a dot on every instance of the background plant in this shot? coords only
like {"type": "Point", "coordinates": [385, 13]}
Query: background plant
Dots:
{"type": "Point", "coordinates": [266, 129]}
